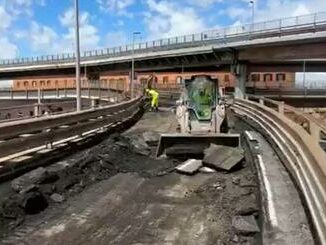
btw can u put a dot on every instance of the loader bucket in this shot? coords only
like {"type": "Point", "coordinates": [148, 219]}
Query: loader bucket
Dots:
{"type": "Point", "coordinates": [179, 145]}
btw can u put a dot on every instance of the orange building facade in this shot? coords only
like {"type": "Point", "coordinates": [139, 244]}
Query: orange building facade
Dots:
{"type": "Point", "coordinates": [271, 80]}
{"type": "Point", "coordinates": [121, 81]}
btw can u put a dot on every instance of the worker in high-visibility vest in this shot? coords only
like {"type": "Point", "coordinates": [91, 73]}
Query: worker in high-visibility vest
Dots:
{"type": "Point", "coordinates": [154, 97]}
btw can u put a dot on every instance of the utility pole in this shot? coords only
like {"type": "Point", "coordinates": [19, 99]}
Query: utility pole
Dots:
{"type": "Point", "coordinates": [133, 64]}
{"type": "Point", "coordinates": [77, 54]}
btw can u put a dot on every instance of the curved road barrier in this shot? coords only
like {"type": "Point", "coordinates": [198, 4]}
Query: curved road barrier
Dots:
{"type": "Point", "coordinates": [23, 135]}
{"type": "Point", "coordinates": [300, 153]}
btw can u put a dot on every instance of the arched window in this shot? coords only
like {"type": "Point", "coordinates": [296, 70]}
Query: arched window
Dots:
{"type": "Point", "coordinates": [255, 77]}
{"type": "Point", "coordinates": [25, 83]}
{"type": "Point", "coordinates": [226, 78]}
{"type": "Point", "coordinates": [268, 77]}
{"type": "Point", "coordinates": [280, 77]}
{"type": "Point", "coordinates": [48, 83]}
{"type": "Point", "coordinates": [42, 83]}
{"type": "Point", "coordinates": [165, 79]}
{"type": "Point", "coordinates": [34, 84]}
{"type": "Point", "coordinates": [179, 79]}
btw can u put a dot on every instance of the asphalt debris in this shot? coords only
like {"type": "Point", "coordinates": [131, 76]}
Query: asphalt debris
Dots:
{"type": "Point", "coordinates": [35, 190]}
{"type": "Point", "coordinates": [245, 225]}
{"type": "Point", "coordinates": [222, 157]}
{"type": "Point", "coordinates": [189, 167]}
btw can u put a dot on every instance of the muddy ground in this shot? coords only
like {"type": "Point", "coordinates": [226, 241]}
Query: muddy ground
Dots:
{"type": "Point", "coordinates": [117, 192]}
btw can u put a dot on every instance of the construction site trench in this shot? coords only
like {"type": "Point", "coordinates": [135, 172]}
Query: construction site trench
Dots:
{"type": "Point", "coordinates": [119, 192]}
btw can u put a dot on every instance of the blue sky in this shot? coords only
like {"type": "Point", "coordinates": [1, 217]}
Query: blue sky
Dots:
{"type": "Point", "coordinates": [34, 27]}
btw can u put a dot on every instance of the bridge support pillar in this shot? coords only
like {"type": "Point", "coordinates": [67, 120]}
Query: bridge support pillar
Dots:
{"type": "Point", "coordinates": [240, 73]}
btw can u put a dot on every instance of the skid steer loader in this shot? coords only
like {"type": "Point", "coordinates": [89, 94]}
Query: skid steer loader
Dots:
{"type": "Point", "coordinates": [201, 112]}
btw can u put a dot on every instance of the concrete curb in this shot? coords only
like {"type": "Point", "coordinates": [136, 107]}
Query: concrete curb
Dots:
{"type": "Point", "coordinates": [284, 220]}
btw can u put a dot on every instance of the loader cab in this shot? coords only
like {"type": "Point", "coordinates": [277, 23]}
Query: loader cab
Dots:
{"type": "Point", "coordinates": [202, 96]}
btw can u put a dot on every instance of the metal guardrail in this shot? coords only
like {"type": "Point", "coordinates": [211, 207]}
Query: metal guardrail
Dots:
{"type": "Point", "coordinates": [281, 91]}
{"type": "Point", "coordinates": [299, 151]}
{"type": "Point", "coordinates": [226, 35]}
{"type": "Point", "coordinates": [101, 93]}
{"type": "Point", "coordinates": [22, 135]}
{"type": "Point", "coordinates": [31, 110]}
{"type": "Point", "coordinates": [309, 123]}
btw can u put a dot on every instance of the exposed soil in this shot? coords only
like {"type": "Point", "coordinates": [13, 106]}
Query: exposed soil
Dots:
{"type": "Point", "coordinates": [130, 197]}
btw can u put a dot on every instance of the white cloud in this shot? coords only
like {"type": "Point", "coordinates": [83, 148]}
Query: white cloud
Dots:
{"type": "Point", "coordinates": [311, 80]}
{"type": "Point", "coordinates": [8, 49]}
{"type": "Point", "coordinates": [17, 7]}
{"type": "Point", "coordinates": [113, 39]}
{"type": "Point", "coordinates": [6, 83]}
{"type": "Point", "coordinates": [118, 7]}
{"type": "Point", "coordinates": [5, 18]}
{"type": "Point", "coordinates": [42, 37]}
{"type": "Point", "coordinates": [204, 3]}
{"type": "Point", "coordinates": [89, 37]}
{"type": "Point", "coordinates": [167, 18]}
{"type": "Point", "coordinates": [45, 40]}
{"type": "Point", "coordinates": [273, 9]}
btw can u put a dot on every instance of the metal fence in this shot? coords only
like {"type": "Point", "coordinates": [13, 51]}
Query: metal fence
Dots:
{"type": "Point", "coordinates": [225, 35]}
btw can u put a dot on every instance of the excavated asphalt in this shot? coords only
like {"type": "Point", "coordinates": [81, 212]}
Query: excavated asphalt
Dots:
{"type": "Point", "coordinates": [118, 193]}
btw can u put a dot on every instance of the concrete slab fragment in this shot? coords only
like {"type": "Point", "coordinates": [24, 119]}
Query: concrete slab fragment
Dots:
{"type": "Point", "coordinates": [190, 166]}
{"type": "Point", "coordinates": [222, 157]}
{"type": "Point", "coordinates": [245, 225]}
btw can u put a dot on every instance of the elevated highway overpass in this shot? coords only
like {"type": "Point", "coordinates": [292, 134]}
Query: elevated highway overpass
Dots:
{"type": "Point", "coordinates": [264, 46]}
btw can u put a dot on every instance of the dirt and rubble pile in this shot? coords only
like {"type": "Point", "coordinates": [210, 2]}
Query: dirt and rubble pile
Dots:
{"type": "Point", "coordinates": [55, 183]}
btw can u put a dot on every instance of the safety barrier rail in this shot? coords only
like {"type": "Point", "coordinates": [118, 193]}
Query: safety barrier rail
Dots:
{"type": "Point", "coordinates": [313, 126]}
{"type": "Point", "coordinates": [300, 153]}
{"type": "Point", "coordinates": [286, 91]}
{"type": "Point", "coordinates": [29, 110]}
{"type": "Point", "coordinates": [278, 27]}
{"type": "Point", "coordinates": [55, 93]}
{"type": "Point", "coordinates": [22, 135]}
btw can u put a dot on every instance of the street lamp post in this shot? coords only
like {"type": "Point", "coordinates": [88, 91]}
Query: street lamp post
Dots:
{"type": "Point", "coordinates": [252, 3]}
{"type": "Point", "coordinates": [133, 64]}
{"type": "Point", "coordinates": [77, 54]}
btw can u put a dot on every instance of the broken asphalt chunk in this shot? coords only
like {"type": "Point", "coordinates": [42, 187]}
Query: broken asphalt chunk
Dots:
{"type": "Point", "coordinates": [34, 177]}
{"type": "Point", "coordinates": [222, 157]}
{"type": "Point", "coordinates": [245, 225]}
{"type": "Point", "coordinates": [151, 138]}
{"type": "Point", "coordinates": [207, 170]}
{"type": "Point", "coordinates": [190, 166]}
{"type": "Point", "coordinates": [57, 197]}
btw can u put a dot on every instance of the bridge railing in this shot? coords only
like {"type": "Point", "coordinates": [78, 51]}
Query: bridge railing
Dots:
{"type": "Point", "coordinates": [22, 135]}
{"type": "Point", "coordinates": [45, 102]}
{"type": "Point", "coordinates": [278, 27]}
{"type": "Point", "coordinates": [298, 149]}
{"type": "Point", "coordinates": [315, 127]}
